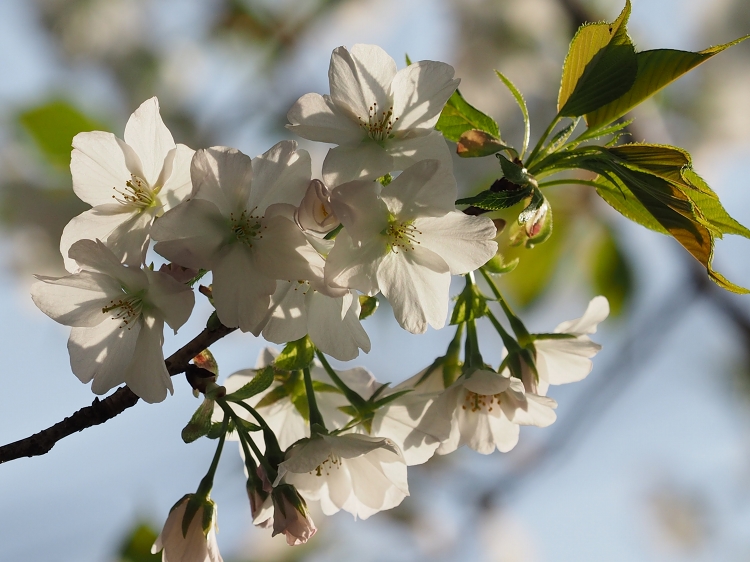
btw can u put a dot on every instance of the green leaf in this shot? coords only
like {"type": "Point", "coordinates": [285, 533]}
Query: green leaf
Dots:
{"type": "Point", "coordinates": [611, 273]}
{"type": "Point", "coordinates": [273, 396]}
{"type": "Point", "coordinates": [498, 265]}
{"type": "Point", "coordinates": [200, 424]}
{"type": "Point", "coordinates": [368, 306]}
{"type": "Point", "coordinates": [458, 116]}
{"type": "Point", "coordinates": [470, 305]}
{"type": "Point", "coordinates": [136, 547]}
{"type": "Point", "coordinates": [599, 68]}
{"type": "Point", "coordinates": [496, 200]}
{"type": "Point", "coordinates": [514, 172]}
{"type": "Point", "coordinates": [53, 125]}
{"type": "Point", "coordinates": [707, 202]}
{"type": "Point", "coordinates": [296, 355]}
{"type": "Point", "coordinates": [217, 429]}
{"type": "Point", "coordinates": [475, 144]}
{"type": "Point", "coordinates": [664, 161]}
{"type": "Point", "coordinates": [656, 69]}
{"type": "Point", "coordinates": [260, 382]}
{"type": "Point", "coordinates": [522, 105]}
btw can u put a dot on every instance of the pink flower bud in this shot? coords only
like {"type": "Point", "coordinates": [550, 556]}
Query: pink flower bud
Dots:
{"type": "Point", "coordinates": [315, 213]}
{"type": "Point", "coordinates": [290, 515]}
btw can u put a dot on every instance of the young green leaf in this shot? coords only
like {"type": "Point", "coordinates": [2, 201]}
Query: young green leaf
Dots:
{"type": "Point", "coordinates": [470, 305]}
{"type": "Point", "coordinates": [656, 69]}
{"type": "Point", "coordinates": [296, 355]}
{"type": "Point", "coordinates": [522, 105]}
{"type": "Point", "coordinates": [496, 200]}
{"type": "Point", "coordinates": [368, 306]}
{"type": "Point", "coordinates": [260, 382]}
{"type": "Point", "coordinates": [707, 202]}
{"type": "Point", "coordinates": [458, 116]}
{"type": "Point", "coordinates": [475, 144]}
{"type": "Point", "coordinates": [200, 423]}
{"type": "Point", "coordinates": [600, 67]}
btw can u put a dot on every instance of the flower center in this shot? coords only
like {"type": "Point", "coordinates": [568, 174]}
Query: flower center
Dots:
{"type": "Point", "coordinates": [137, 193]}
{"type": "Point", "coordinates": [126, 310]}
{"type": "Point", "coordinates": [332, 462]}
{"type": "Point", "coordinates": [480, 402]}
{"type": "Point", "coordinates": [246, 227]}
{"type": "Point", "coordinates": [379, 124]}
{"type": "Point", "coordinates": [401, 235]}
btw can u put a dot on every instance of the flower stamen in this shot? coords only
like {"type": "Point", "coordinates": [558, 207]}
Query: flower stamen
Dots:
{"type": "Point", "coordinates": [125, 310]}
{"type": "Point", "coordinates": [137, 193]}
{"type": "Point", "coordinates": [402, 236]}
{"type": "Point", "coordinates": [379, 124]}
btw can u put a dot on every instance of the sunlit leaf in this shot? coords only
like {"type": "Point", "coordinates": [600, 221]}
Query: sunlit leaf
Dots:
{"type": "Point", "coordinates": [475, 144]}
{"type": "Point", "coordinates": [200, 423]}
{"type": "Point", "coordinates": [656, 69]}
{"type": "Point", "coordinates": [260, 382]}
{"type": "Point", "coordinates": [296, 355]}
{"type": "Point", "coordinates": [368, 306]}
{"type": "Point", "coordinates": [458, 116]}
{"type": "Point", "coordinates": [470, 304]}
{"type": "Point", "coordinates": [600, 67]}
{"type": "Point", "coordinates": [711, 208]}
{"type": "Point", "coordinates": [493, 200]}
{"type": "Point", "coordinates": [522, 105]}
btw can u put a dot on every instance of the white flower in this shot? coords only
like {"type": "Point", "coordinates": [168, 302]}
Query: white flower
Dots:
{"type": "Point", "coordinates": [198, 544]}
{"type": "Point", "coordinates": [128, 183]}
{"type": "Point", "coordinates": [357, 473]}
{"type": "Point", "coordinates": [315, 213]}
{"type": "Point", "coordinates": [291, 516]}
{"type": "Point", "coordinates": [486, 409]}
{"type": "Point", "coordinates": [560, 361]}
{"type": "Point", "coordinates": [242, 232]}
{"type": "Point", "coordinates": [382, 119]}
{"type": "Point", "coordinates": [406, 240]}
{"type": "Point", "coordinates": [117, 314]}
{"type": "Point", "coordinates": [332, 322]}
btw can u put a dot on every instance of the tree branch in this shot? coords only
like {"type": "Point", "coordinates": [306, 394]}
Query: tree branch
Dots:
{"type": "Point", "coordinates": [101, 411]}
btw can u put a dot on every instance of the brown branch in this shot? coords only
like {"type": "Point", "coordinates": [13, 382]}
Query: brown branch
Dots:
{"type": "Point", "coordinates": [101, 411]}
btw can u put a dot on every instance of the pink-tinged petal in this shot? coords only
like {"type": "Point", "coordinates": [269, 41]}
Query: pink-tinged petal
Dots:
{"type": "Point", "coordinates": [565, 361]}
{"type": "Point", "coordinates": [100, 164]}
{"type": "Point", "coordinates": [280, 175]}
{"type": "Point", "coordinates": [95, 255]}
{"type": "Point", "coordinates": [75, 300]}
{"type": "Point", "coordinates": [103, 353]}
{"type": "Point", "coordinates": [425, 189]}
{"type": "Point", "coordinates": [364, 161]}
{"type": "Point", "coordinates": [355, 267]}
{"type": "Point", "coordinates": [464, 242]}
{"type": "Point", "coordinates": [177, 186]}
{"type": "Point", "coordinates": [358, 206]}
{"type": "Point", "coordinates": [596, 312]}
{"type": "Point", "coordinates": [281, 251]}
{"type": "Point", "coordinates": [504, 433]}
{"type": "Point", "coordinates": [150, 138]}
{"type": "Point", "coordinates": [334, 328]}
{"type": "Point", "coordinates": [97, 223]}
{"type": "Point", "coordinates": [288, 319]}
{"type": "Point", "coordinates": [410, 150]}
{"type": "Point", "coordinates": [241, 291]}
{"type": "Point", "coordinates": [174, 300]}
{"type": "Point", "coordinates": [147, 375]}
{"type": "Point", "coordinates": [417, 285]}
{"type": "Point", "coordinates": [191, 234]}
{"type": "Point", "coordinates": [486, 383]}
{"type": "Point", "coordinates": [222, 175]}
{"type": "Point", "coordinates": [317, 118]}
{"type": "Point", "coordinates": [361, 79]}
{"type": "Point", "coordinates": [420, 92]}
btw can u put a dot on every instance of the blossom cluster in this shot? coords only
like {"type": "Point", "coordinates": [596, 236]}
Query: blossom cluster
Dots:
{"type": "Point", "coordinates": [292, 257]}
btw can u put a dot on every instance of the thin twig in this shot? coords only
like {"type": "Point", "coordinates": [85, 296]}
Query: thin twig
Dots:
{"type": "Point", "coordinates": [101, 411]}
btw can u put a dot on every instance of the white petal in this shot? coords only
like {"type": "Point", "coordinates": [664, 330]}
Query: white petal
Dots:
{"type": "Point", "coordinates": [241, 291]}
{"type": "Point", "coordinates": [538, 411]}
{"type": "Point", "coordinates": [96, 223]}
{"type": "Point", "coordinates": [75, 300]}
{"type": "Point", "coordinates": [174, 300]}
{"type": "Point", "coordinates": [355, 267]}
{"type": "Point", "coordinates": [464, 242]}
{"type": "Point", "coordinates": [317, 118]}
{"type": "Point", "coordinates": [597, 311]}
{"type": "Point", "coordinates": [129, 240]}
{"type": "Point", "coordinates": [282, 251]}
{"type": "Point", "coordinates": [504, 433]}
{"type": "Point", "coordinates": [486, 383]}
{"type": "Point", "coordinates": [191, 234]}
{"type": "Point", "coordinates": [103, 353]}
{"type": "Point", "coordinates": [222, 175]}
{"type": "Point", "coordinates": [178, 185]}
{"type": "Point", "coordinates": [147, 375]}
{"type": "Point", "coordinates": [419, 93]}
{"type": "Point", "coordinates": [280, 175]}
{"type": "Point", "coordinates": [364, 161]}
{"type": "Point", "coordinates": [332, 329]}
{"type": "Point", "coordinates": [417, 285]}
{"type": "Point", "coordinates": [95, 255]}
{"type": "Point", "coordinates": [475, 430]}
{"type": "Point", "coordinates": [359, 208]}
{"type": "Point", "coordinates": [361, 79]}
{"type": "Point", "coordinates": [99, 164]}
{"type": "Point", "coordinates": [288, 321]}
{"type": "Point", "coordinates": [410, 150]}
{"type": "Point", "coordinates": [565, 361]}
{"type": "Point", "coordinates": [150, 138]}
{"type": "Point", "coordinates": [425, 189]}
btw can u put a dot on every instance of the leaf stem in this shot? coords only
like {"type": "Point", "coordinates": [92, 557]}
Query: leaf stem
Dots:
{"type": "Point", "coordinates": [353, 397]}
{"type": "Point", "coordinates": [540, 143]}
{"type": "Point", "coordinates": [316, 418]}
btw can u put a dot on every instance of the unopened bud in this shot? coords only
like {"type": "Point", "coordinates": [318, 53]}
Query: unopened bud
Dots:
{"type": "Point", "coordinates": [290, 515]}
{"type": "Point", "coordinates": [315, 213]}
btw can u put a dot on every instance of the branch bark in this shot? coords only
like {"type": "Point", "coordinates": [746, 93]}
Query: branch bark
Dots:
{"type": "Point", "coordinates": [101, 411]}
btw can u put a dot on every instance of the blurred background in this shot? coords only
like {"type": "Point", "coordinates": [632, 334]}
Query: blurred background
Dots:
{"type": "Point", "coordinates": [650, 456]}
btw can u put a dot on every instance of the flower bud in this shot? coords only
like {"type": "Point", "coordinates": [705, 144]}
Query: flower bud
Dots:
{"type": "Point", "coordinates": [189, 534]}
{"type": "Point", "coordinates": [290, 515]}
{"type": "Point", "coordinates": [259, 493]}
{"type": "Point", "coordinates": [315, 213]}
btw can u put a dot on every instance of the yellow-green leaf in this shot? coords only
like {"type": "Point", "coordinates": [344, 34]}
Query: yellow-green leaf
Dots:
{"type": "Point", "coordinates": [475, 144]}
{"type": "Point", "coordinates": [459, 116]}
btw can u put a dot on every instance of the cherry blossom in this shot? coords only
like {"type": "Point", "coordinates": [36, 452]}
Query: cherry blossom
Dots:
{"type": "Point", "coordinates": [117, 314]}
{"type": "Point", "coordinates": [128, 183]}
{"type": "Point", "coordinates": [291, 516]}
{"type": "Point", "coordinates": [198, 543]}
{"type": "Point", "coordinates": [382, 118]}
